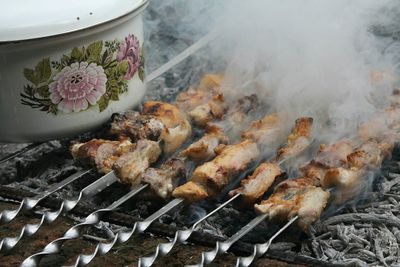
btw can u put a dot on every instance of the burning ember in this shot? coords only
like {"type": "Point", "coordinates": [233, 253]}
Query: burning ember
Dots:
{"type": "Point", "coordinates": [297, 141]}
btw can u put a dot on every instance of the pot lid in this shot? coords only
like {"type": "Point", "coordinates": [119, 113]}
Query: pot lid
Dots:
{"type": "Point", "coordinates": [31, 19]}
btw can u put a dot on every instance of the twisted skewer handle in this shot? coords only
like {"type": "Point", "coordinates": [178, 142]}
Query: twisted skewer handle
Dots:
{"type": "Point", "coordinates": [50, 216]}
{"type": "Point", "coordinates": [180, 237]}
{"type": "Point", "coordinates": [261, 249]}
{"type": "Point", "coordinates": [123, 236]}
{"type": "Point", "coordinates": [31, 202]}
{"type": "Point", "coordinates": [73, 233]}
{"type": "Point", "coordinates": [222, 247]}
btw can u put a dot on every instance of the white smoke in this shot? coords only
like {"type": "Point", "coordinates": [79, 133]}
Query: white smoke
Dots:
{"type": "Point", "coordinates": [306, 57]}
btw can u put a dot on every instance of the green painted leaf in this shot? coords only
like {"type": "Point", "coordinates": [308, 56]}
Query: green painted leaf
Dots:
{"type": "Point", "coordinates": [76, 54]}
{"type": "Point", "coordinates": [103, 102]}
{"type": "Point", "coordinates": [43, 91]}
{"type": "Point", "coordinates": [122, 67]}
{"type": "Point", "coordinates": [43, 70]}
{"type": "Point", "coordinates": [29, 74]}
{"type": "Point", "coordinates": [141, 73]}
{"type": "Point", "coordinates": [94, 51]}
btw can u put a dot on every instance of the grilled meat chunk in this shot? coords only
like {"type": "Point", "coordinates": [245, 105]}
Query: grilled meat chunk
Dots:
{"type": "Point", "coordinates": [204, 104]}
{"type": "Point", "coordinates": [214, 175]}
{"type": "Point", "coordinates": [205, 148]}
{"type": "Point", "coordinates": [101, 153]}
{"type": "Point", "coordinates": [334, 155]}
{"type": "Point", "coordinates": [191, 191]}
{"type": "Point", "coordinates": [254, 186]}
{"type": "Point", "coordinates": [265, 131]}
{"type": "Point", "coordinates": [163, 180]}
{"type": "Point", "coordinates": [298, 140]}
{"type": "Point", "coordinates": [212, 110]}
{"type": "Point", "coordinates": [133, 125]}
{"type": "Point", "coordinates": [176, 128]}
{"type": "Point", "coordinates": [131, 165]}
{"type": "Point", "coordinates": [306, 201]}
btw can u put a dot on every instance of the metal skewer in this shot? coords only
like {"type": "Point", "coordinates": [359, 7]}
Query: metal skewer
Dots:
{"type": "Point", "coordinates": [261, 249]}
{"type": "Point", "coordinates": [72, 233]}
{"type": "Point", "coordinates": [31, 202]}
{"type": "Point", "coordinates": [180, 237]}
{"type": "Point", "coordinates": [123, 236]}
{"type": "Point", "coordinates": [48, 217]}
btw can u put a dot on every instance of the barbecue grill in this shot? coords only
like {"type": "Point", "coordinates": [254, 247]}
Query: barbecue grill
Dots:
{"type": "Point", "coordinates": [358, 233]}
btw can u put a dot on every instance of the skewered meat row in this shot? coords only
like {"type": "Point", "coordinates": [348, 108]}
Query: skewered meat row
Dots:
{"type": "Point", "coordinates": [163, 180]}
{"type": "Point", "coordinates": [253, 187]}
{"type": "Point", "coordinates": [210, 178]}
{"type": "Point", "coordinates": [306, 196]}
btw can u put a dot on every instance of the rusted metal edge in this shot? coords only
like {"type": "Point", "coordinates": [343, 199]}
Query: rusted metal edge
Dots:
{"type": "Point", "coordinates": [205, 239]}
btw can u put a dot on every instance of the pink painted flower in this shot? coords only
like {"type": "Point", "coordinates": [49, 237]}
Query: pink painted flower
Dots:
{"type": "Point", "coordinates": [130, 50]}
{"type": "Point", "coordinates": [77, 86]}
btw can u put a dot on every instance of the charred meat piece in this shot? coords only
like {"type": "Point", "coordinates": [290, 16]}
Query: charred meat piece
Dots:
{"type": "Point", "coordinates": [131, 165]}
{"type": "Point", "coordinates": [163, 180]}
{"type": "Point", "coordinates": [133, 125]}
{"type": "Point", "coordinates": [205, 148]}
{"type": "Point", "coordinates": [176, 128]}
{"type": "Point", "coordinates": [306, 201]}
{"type": "Point", "coordinates": [101, 153]}
{"type": "Point", "coordinates": [214, 175]}
{"type": "Point", "coordinates": [266, 130]}
{"type": "Point", "coordinates": [298, 140]}
{"type": "Point", "coordinates": [254, 186]}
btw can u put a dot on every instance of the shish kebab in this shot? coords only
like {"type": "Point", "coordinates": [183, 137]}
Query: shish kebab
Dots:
{"type": "Point", "coordinates": [239, 111]}
{"type": "Point", "coordinates": [102, 248]}
{"type": "Point", "coordinates": [255, 185]}
{"type": "Point", "coordinates": [344, 179]}
{"type": "Point", "coordinates": [139, 227]}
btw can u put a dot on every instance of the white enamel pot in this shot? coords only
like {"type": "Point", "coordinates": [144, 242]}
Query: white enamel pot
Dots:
{"type": "Point", "coordinates": [65, 67]}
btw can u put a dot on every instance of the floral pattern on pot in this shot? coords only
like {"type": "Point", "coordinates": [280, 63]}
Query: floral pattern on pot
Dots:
{"type": "Point", "coordinates": [86, 77]}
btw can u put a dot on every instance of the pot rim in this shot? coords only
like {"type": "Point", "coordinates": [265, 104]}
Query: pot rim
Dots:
{"type": "Point", "coordinates": [131, 13]}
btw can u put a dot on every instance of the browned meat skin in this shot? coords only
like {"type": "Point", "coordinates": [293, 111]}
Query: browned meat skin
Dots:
{"type": "Point", "coordinates": [211, 82]}
{"type": "Point", "coordinates": [254, 186]}
{"type": "Point", "coordinates": [192, 98]}
{"type": "Point", "coordinates": [298, 140]}
{"type": "Point", "coordinates": [101, 153]}
{"type": "Point", "coordinates": [205, 148]}
{"type": "Point", "coordinates": [133, 125]}
{"type": "Point", "coordinates": [266, 130]}
{"type": "Point", "coordinates": [131, 165]}
{"type": "Point", "coordinates": [176, 128]}
{"type": "Point", "coordinates": [214, 175]}
{"type": "Point", "coordinates": [295, 198]}
{"type": "Point", "coordinates": [163, 180]}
